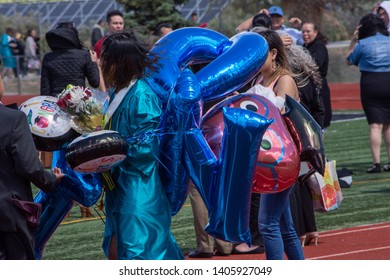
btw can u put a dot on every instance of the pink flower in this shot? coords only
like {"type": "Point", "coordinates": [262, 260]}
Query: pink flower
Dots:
{"type": "Point", "coordinates": [61, 103]}
{"type": "Point", "coordinates": [88, 92]}
{"type": "Point", "coordinates": [82, 108]}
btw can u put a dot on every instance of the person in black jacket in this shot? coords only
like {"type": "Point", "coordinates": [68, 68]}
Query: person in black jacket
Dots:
{"type": "Point", "coordinates": [308, 79]}
{"type": "Point", "coordinates": [68, 63]}
{"type": "Point", "coordinates": [20, 165]}
{"type": "Point", "coordinates": [18, 52]}
{"type": "Point", "coordinates": [315, 43]}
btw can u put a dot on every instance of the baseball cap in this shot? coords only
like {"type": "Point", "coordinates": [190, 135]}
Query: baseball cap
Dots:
{"type": "Point", "coordinates": [275, 10]}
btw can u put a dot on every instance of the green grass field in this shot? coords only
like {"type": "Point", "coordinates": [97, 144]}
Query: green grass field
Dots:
{"type": "Point", "coordinates": [366, 202]}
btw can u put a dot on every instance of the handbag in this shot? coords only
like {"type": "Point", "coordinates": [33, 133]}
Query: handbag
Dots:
{"type": "Point", "coordinates": [325, 190]}
{"type": "Point", "coordinates": [31, 210]}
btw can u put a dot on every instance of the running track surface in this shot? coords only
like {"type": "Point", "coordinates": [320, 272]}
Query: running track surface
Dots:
{"type": "Point", "coordinates": [368, 242]}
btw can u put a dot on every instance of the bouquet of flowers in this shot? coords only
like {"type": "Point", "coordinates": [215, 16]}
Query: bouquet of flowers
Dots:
{"type": "Point", "coordinates": [83, 108]}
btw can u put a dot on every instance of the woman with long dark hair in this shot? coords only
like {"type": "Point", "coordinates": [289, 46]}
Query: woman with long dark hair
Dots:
{"type": "Point", "coordinates": [370, 50]}
{"type": "Point", "coordinates": [138, 214]}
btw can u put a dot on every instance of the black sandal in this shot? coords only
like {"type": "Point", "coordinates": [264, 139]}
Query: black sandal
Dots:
{"type": "Point", "coordinates": [375, 168]}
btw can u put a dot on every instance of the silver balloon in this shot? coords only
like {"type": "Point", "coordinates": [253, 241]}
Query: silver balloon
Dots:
{"type": "Point", "coordinates": [309, 133]}
{"type": "Point", "coordinates": [50, 131]}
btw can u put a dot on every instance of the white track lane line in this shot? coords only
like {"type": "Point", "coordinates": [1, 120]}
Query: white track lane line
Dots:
{"type": "Point", "coordinates": [349, 253]}
{"type": "Point", "coordinates": [354, 231]}
{"type": "Point", "coordinates": [374, 227]}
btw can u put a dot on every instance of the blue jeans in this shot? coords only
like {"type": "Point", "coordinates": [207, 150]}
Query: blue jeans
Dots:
{"type": "Point", "coordinates": [277, 228]}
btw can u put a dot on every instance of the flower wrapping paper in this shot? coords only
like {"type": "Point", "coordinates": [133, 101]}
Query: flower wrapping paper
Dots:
{"type": "Point", "coordinates": [83, 108]}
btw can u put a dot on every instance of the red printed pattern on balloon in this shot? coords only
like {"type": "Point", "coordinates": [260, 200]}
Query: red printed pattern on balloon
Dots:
{"type": "Point", "coordinates": [100, 164]}
{"type": "Point", "coordinates": [278, 161]}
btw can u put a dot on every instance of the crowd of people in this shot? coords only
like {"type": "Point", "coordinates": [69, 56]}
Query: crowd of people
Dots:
{"type": "Point", "coordinates": [19, 53]}
{"type": "Point", "coordinates": [138, 215]}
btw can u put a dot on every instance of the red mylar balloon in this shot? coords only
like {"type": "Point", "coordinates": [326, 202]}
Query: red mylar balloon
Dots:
{"type": "Point", "coordinates": [278, 160]}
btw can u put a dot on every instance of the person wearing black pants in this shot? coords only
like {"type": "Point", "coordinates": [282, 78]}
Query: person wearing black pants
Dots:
{"type": "Point", "coordinates": [20, 166]}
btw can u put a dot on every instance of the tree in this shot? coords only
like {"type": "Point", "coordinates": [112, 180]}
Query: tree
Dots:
{"type": "Point", "coordinates": [150, 13]}
{"type": "Point", "coordinates": [236, 12]}
{"type": "Point", "coordinates": [336, 19]}
{"type": "Point", "coordinates": [308, 10]}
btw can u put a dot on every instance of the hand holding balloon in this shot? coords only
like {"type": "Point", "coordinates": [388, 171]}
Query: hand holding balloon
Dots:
{"type": "Point", "coordinates": [82, 188]}
{"type": "Point", "coordinates": [58, 173]}
{"type": "Point", "coordinates": [96, 152]}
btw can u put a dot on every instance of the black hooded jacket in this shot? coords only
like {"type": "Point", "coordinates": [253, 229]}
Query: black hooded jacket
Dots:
{"type": "Point", "coordinates": [68, 63]}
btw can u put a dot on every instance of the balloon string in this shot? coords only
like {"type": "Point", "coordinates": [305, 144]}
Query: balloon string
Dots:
{"type": "Point", "coordinates": [147, 136]}
{"type": "Point", "coordinates": [162, 165]}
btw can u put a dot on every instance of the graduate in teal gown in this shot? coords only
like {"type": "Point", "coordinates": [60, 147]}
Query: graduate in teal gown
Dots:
{"type": "Point", "coordinates": [9, 61]}
{"type": "Point", "coordinates": [138, 215]}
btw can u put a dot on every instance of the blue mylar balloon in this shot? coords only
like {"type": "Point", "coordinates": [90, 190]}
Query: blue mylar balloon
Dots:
{"type": "Point", "coordinates": [235, 67]}
{"type": "Point", "coordinates": [230, 201]}
{"type": "Point", "coordinates": [200, 163]}
{"type": "Point", "coordinates": [82, 188]}
{"type": "Point", "coordinates": [233, 63]}
{"type": "Point", "coordinates": [309, 132]}
{"type": "Point", "coordinates": [182, 114]}
{"type": "Point", "coordinates": [177, 50]}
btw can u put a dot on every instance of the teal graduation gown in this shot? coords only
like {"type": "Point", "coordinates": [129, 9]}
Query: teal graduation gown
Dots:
{"type": "Point", "coordinates": [8, 58]}
{"type": "Point", "coordinates": [137, 209]}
